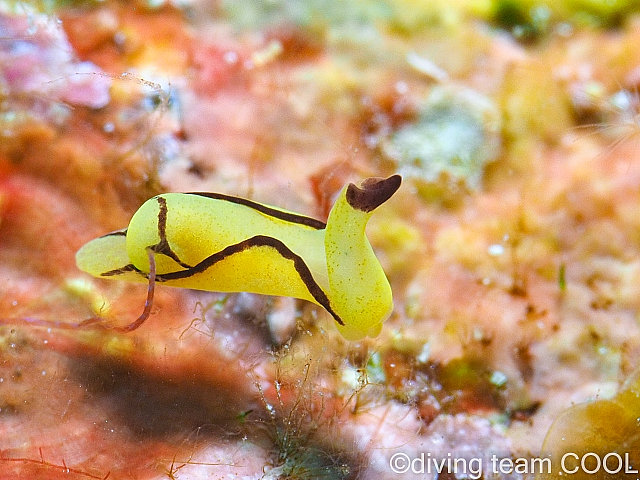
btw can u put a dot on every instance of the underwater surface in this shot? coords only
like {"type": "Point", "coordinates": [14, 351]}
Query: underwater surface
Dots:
{"type": "Point", "coordinates": [512, 247]}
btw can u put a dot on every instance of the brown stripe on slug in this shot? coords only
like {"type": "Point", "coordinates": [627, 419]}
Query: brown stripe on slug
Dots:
{"type": "Point", "coordinates": [117, 233]}
{"type": "Point", "coordinates": [260, 241]}
{"type": "Point", "coordinates": [119, 271]}
{"type": "Point", "coordinates": [163, 246]}
{"type": "Point", "coordinates": [272, 212]}
{"type": "Point", "coordinates": [374, 192]}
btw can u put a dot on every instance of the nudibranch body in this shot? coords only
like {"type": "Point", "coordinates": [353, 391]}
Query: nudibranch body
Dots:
{"type": "Point", "coordinates": [215, 242]}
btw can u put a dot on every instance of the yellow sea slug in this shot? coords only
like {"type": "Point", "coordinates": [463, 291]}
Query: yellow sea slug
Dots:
{"type": "Point", "coordinates": [215, 242]}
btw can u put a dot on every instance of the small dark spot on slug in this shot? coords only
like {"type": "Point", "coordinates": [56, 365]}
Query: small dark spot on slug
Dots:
{"type": "Point", "coordinates": [374, 192]}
